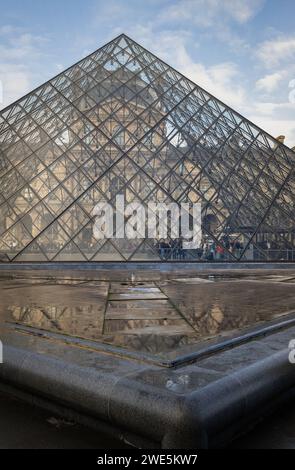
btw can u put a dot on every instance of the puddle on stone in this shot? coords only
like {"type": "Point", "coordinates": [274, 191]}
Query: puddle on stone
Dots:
{"type": "Point", "coordinates": [193, 280]}
{"type": "Point", "coordinates": [159, 318]}
{"type": "Point", "coordinates": [148, 326]}
{"type": "Point", "coordinates": [139, 304]}
{"type": "Point", "coordinates": [119, 288]}
{"type": "Point", "coordinates": [135, 296]}
{"type": "Point", "coordinates": [145, 290]}
{"type": "Point", "coordinates": [83, 321]}
{"type": "Point", "coordinates": [140, 313]}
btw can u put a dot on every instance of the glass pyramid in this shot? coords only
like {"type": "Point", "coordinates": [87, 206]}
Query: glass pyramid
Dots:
{"type": "Point", "coordinates": [121, 121]}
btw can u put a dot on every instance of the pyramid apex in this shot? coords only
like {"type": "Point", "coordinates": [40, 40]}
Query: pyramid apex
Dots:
{"type": "Point", "coordinates": [123, 36]}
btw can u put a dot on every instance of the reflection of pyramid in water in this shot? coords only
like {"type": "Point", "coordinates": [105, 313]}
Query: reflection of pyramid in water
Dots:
{"type": "Point", "coordinates": [122, 121]}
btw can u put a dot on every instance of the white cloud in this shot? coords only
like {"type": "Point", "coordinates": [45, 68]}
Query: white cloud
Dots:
{"type": "Point", "coordinates": [270, 82]}
{"type": "Point", "coordinates": [217, 16]}
{"type": "Point", "coordinates": [243, 11]}
{"type": "Point", "coordinates": [275, 118]}
{"type": "Point", "coordinates": [221, 80]}
{"type": "Point", "coordinates": [15, 82]}
{"type": "Point", "coordinates": [275, 51]}
{"type": "Point", "coordinates": [269, 108]}
{"type": "Point", "coordinates": [7, 29]}
{"type": "Point", "coordinates": [20, 47]}
{"type": "Point", "coordinates": [207, 13]}
{"type": "Point", "coordinates": [276, 127]}
{"type": "Point", "coordinates": [18, 51]}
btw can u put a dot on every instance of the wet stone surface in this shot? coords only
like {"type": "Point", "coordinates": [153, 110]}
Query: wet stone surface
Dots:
{"type": "Point", "coordinates": [159, 314]}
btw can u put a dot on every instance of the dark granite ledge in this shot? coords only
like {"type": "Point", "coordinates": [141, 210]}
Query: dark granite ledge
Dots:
{"type": "Point", "coordinates": [200, 405]}
{"type": "Point", "coordinates": [201, 350]}
{"type": "Point", "coordinates": [148, 265]}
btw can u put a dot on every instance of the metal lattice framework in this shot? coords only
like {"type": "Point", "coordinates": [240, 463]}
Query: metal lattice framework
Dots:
{"type": "Point", "coordinates": [121, 121]}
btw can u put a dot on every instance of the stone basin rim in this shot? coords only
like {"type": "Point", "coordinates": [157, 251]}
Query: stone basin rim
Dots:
{"type": "Point", "coordinates": [204, 349]}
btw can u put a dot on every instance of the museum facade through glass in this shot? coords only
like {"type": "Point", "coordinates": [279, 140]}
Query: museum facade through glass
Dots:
{"type": "Point", "coordinates": [121, 122]}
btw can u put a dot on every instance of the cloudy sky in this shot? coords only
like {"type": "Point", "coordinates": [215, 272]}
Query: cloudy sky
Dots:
{"type": "Point", "coordinates": [242, 51]}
